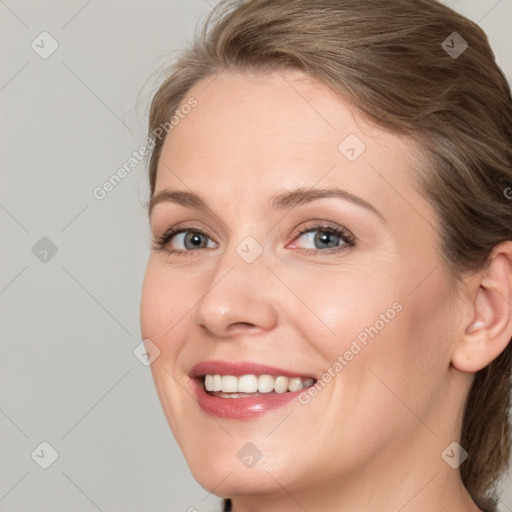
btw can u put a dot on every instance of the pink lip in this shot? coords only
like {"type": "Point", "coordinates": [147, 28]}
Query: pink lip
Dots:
{"type": "Point", "coordinates": [238, 369]}
{"type": "Point", "coordinates": [240, 408]}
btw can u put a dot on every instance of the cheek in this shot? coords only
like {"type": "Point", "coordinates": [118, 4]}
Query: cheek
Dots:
{"type": "Point", "coordinates": [164, 301]}
{"type": "Point", "coordinates": [351, 306]}
{"type": "Point", "coordinates": [404, 365]}
{"type": "Point", "coordinates": [383, 341]}
{"type": "Point", "coordinates": [166, 307]}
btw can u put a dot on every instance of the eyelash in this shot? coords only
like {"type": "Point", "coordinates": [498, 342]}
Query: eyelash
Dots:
{"type": "Point", "coordinates": [348, 239]}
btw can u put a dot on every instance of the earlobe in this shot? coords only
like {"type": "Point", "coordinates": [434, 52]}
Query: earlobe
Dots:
{"type": "Point", "coordinates": [489, 330]}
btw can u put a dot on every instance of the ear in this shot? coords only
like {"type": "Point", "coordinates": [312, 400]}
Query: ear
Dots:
{"type": "Point", "coordinates": [489, 328]}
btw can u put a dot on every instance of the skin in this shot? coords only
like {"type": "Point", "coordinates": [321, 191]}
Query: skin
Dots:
{"type": "Point", "coordinates": [372, 438]}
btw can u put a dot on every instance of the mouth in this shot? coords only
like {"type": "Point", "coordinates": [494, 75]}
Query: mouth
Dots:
{"type": "Point", "coordinates": [245, 390]}
{"type": "Point", "coordinates": [232, 386]}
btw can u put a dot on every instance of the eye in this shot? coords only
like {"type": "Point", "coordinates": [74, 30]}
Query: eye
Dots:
{"type": "Point", "coordinates": [327, 238]}
{"type": "Point", "coordinates": [183, 240]}
{"type": "Point", "coordinates": [324, 236]}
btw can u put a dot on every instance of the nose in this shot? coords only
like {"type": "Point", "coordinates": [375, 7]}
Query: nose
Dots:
{"type": "Point", "coordinates": [238, 298]}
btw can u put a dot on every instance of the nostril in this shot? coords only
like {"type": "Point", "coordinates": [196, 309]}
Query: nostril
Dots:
{"type": "Point", "coordinates": [241, 325]}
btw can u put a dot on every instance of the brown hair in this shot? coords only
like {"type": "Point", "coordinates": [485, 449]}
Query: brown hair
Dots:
{"type": "Point", "coordinates": [387, 58]}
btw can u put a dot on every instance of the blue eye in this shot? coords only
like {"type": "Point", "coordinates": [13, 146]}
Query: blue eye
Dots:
{"type": "Point", "coordinates": [192, 239]}
{"type": "Point", "coordinates": [327, 239]}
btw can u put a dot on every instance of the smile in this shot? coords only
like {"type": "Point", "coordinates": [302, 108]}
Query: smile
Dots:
{"type": "Point", "coordinates": [245, 390]}
{"type": "Point", "coordinates": [231, 386]}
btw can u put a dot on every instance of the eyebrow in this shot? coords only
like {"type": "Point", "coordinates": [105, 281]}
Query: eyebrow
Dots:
{"type": "Point", "coordinates": [278, 202]}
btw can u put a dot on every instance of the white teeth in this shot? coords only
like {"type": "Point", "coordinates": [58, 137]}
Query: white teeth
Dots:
{"type": "Point", "coordinates": [265, 383]}
{"type": "Point", "coordinates": [295, 384]}
{"type": "Point", "coordinates": [281, 384]}
{"type": "Point", "coordinates": [247, 384]}
{"type": "Point", "coordinates": [217, 383]}
{"type": "Point", "coordinates": [254, 384]}
{"type": "Point", "coordinates": [229, 384]}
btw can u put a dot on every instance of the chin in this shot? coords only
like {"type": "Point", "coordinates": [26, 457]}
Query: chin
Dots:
{"type": "Point", "coordinates": [225, 480]}
{"type": "Point", "coordinates": [232, 466]}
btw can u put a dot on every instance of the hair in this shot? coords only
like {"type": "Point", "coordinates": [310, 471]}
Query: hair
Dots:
{"type": "Point", "coordinates": [388, 59]}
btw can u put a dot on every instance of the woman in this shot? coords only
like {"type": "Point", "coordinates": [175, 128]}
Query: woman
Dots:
{"type": "Point", "coordinates": [330, 278]}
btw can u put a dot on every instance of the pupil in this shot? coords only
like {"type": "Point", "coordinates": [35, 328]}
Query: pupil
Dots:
{"type": "Point", "coordinates": [195, 238]}
{"type": "Point", "coordinates": [326, 238]}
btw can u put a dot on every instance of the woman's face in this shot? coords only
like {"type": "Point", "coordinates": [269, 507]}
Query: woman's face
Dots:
{"type": "Point", "coordinates": [274, 273]}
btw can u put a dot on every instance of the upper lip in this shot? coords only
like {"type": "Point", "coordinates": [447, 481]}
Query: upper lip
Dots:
{"type": "Point", "coordinates": [242, 368]}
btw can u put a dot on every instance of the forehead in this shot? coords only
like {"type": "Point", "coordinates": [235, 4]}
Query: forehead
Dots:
{"type": "Point", "coordinates": [264, 131]}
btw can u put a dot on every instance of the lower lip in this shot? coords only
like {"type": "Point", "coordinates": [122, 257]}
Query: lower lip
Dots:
{"type": "Point", "coordinates": [241, 408]}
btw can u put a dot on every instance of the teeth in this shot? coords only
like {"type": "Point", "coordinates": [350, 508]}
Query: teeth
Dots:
{"type": "Point", "coordinates": [229, 384]}
{"type": "Point", "coordinates": [247, 384]}
{"type": "Point", "coordinates": [217, 383]}
{"type": "Point", "coordinates": [254, 384]}
{"type": "Point", "coordinates": [265, 383]}
{"type": "Point", "coordinates": [295, 384]}
{"type": "Point", "coordinates": [281, 384]}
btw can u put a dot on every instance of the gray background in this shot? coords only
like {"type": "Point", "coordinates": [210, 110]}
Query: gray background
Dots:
{"type": "Point", "coordinates": [70, 323]}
